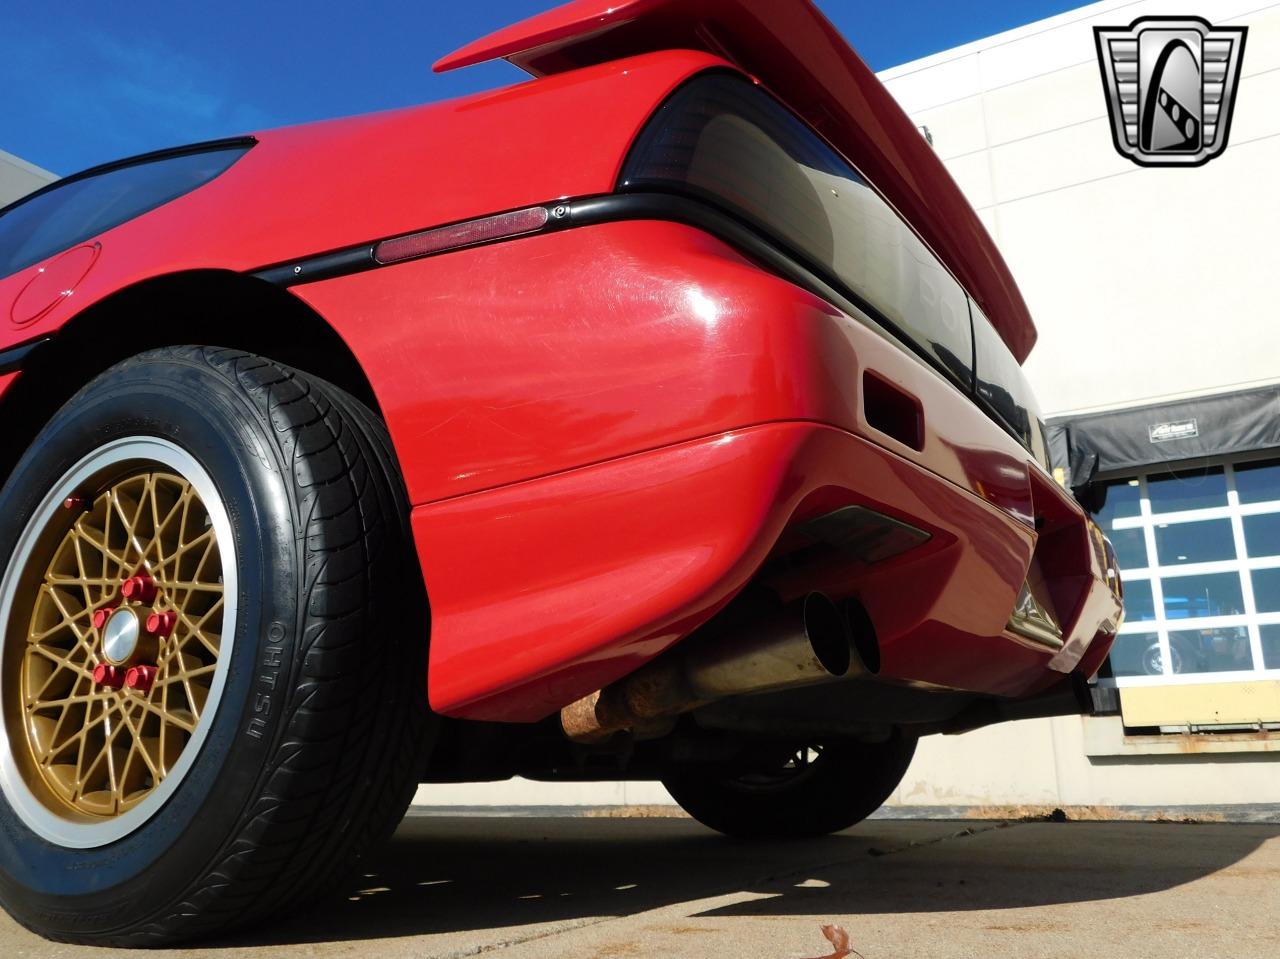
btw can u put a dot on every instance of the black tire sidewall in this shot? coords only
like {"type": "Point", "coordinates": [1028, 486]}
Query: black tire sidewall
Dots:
{"type": "Point", "coordinates": [849, 782]}
{"type": "Point", "coordinates": [194, 407]}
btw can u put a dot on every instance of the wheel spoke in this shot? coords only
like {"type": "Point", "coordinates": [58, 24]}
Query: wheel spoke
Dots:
{"type": "Point", "coordinates": [101, 749]}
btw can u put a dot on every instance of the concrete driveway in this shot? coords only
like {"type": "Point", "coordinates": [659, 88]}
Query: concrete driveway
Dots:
{"type": "Point", "coordinates": [664, 887]}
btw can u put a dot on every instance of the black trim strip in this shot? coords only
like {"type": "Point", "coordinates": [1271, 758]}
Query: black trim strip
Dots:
{"type": "Point", "coordinates": [11, 360]}
{"type": "Point", "coordinates": [323, 267]}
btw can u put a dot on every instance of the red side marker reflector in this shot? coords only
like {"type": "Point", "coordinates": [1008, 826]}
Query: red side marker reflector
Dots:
{"type": "Point", "coordinates": [498, 227]}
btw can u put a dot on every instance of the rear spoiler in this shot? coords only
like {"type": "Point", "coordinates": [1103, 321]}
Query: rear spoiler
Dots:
{"type": "Point", "coordinates": [790, 47]}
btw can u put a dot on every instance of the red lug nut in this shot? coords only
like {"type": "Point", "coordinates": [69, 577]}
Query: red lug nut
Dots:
{"type": "Point", "coordinates": [110, 676]}
{"type": "Point", "coordinates": [161, 624]}
{"type": "Point", "coordinates": [100, 617]}
{"type": "Point", "coordinates": [140, 678]}
{"type": "Point", "coordinates": [139, 589]}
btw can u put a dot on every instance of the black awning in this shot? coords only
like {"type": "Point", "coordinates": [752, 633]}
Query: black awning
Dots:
{"type": "Point", "coordinates": [1141, 436]}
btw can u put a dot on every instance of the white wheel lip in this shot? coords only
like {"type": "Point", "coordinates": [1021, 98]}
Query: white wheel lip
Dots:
{"type": "Point", "coordinates": [33, 813]}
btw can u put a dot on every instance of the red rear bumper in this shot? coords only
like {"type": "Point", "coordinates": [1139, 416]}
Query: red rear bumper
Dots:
{"type": "Point", "coordinates": [546, 590]}
{"type": "Point", "coordinates": [606, 431]}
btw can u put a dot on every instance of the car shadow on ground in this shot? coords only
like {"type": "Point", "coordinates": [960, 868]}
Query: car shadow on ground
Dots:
{"type": "Point", "coordinates": [454, 874]}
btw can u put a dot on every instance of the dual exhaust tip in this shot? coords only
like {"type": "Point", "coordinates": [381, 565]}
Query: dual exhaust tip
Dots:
{"type": "Point", "coordinates": [803, 643]}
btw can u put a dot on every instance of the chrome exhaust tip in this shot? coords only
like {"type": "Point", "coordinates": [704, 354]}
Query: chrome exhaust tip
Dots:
{"type": "Point", "coordinates": [809, 641]}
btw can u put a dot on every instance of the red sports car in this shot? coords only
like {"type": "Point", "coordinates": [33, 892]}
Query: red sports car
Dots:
{"type": "Point", "coordinates": [660, 417]}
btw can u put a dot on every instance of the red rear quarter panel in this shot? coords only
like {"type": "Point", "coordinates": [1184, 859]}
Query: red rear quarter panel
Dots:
{"type": "Point", "coordinates": [313, 188]}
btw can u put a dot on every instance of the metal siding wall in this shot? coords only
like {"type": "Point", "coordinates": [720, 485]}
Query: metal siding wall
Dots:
{"type": "Point", "coordinates": [18, 178]}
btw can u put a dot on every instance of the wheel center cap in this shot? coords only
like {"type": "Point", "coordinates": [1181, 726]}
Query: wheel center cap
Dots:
{"type": "Point", "coordinates": [120, 637]}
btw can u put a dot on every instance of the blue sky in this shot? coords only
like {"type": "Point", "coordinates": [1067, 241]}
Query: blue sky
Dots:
{"type": "Point", "coordinates": [84, 82]}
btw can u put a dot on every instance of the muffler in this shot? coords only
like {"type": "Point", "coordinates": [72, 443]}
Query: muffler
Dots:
{"type": "Point", "coordinates": [806, 642]}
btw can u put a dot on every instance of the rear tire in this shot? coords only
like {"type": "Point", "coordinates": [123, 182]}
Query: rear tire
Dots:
{"type": "Point", "coordinates": [298, 741]}
{"type": "Point", "coordinates": [790, 792]}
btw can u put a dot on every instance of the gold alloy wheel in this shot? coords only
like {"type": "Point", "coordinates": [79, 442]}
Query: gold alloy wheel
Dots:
{"type": "Point", "coordinates": [138, 570]}
{"type": "Point", "coordinates": [123, 607]}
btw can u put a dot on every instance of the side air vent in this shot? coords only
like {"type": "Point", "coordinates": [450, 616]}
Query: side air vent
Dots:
{"type": "Point", "coordinates": [892, 411]}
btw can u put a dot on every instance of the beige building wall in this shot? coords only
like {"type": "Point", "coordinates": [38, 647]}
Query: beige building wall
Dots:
{"type": "Point", "coordinates": [18, 178]}
{"type": "Point", "coordinates": [1145, 283]}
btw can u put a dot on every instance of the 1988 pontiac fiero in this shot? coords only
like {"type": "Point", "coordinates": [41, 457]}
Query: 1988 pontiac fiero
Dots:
{"type": "Point", "coordinates": [660, 417]}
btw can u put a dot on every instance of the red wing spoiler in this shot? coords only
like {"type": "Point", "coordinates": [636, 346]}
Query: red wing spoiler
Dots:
{"type": "Point", "coordinates": [793, 50]}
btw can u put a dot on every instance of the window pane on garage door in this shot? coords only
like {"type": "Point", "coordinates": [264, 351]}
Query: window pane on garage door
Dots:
{"type": "Point", "coordinates": [1138, 605]}
{"type": "Point", "coordinates": [1262, 534]}
{"type": "Point", "coordinates": [1211, 650]}
{"type": "Point", "coordinates": [1131, 548]}
{"type": "Point", "coordinates": [1271, 646]}
{"type": "Point", "coordinates": [1258, 482]}
{"type": "Point", "coordinates": [1205, 542]}
{"type": "Point", "coordinates": [1266, 590]}
{"type": "Point", "coordinates": [1202, 597]}
{"type": "Point", "coordinates": [1137, 654]}
{"type": "Point", "coordinates": [1200, 554]}
{"type": "Point", "coordinates": [1193, 489]}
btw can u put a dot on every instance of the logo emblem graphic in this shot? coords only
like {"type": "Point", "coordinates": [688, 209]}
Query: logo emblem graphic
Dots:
{"type": "Point", "coordinates": [1171, 85]}
{"type": "Point", "coordinates": [1177, 430]}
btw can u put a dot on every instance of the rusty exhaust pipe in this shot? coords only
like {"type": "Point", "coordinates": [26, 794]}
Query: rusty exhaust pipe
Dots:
{"type": "Point", "coordinates": [806, 642]}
